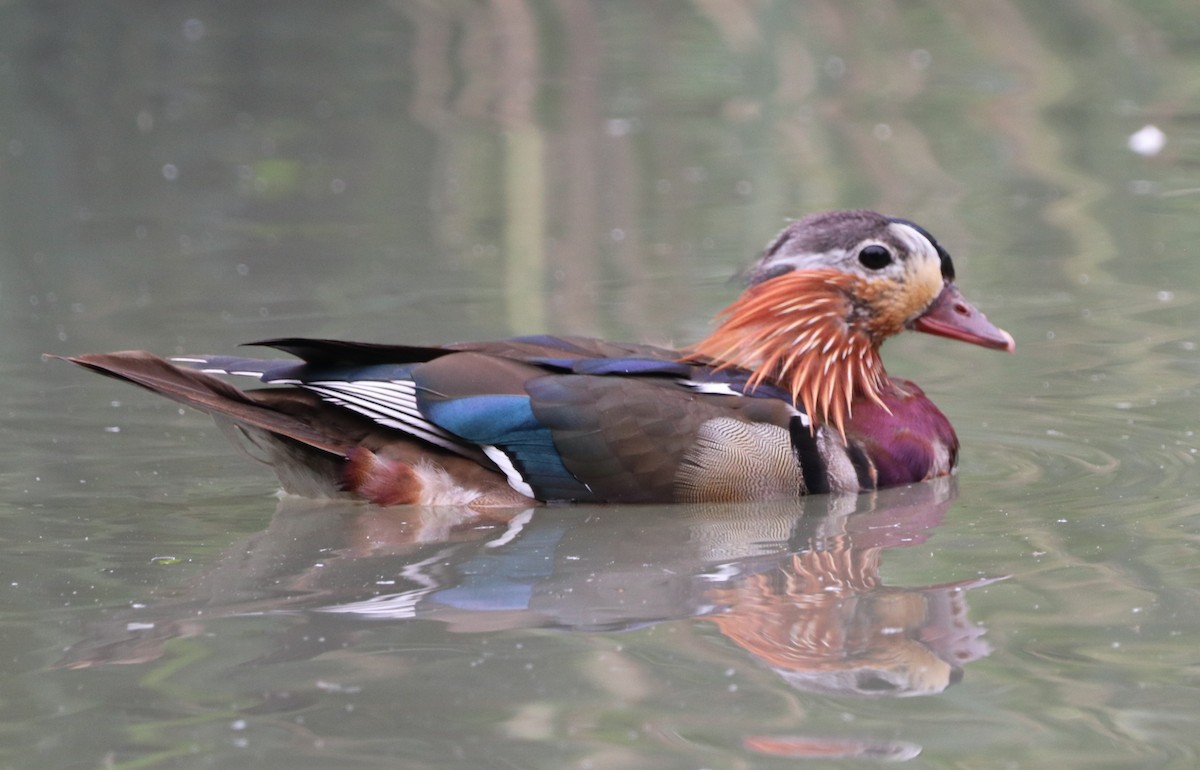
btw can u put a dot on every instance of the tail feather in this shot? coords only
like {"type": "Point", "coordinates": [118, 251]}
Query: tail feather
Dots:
{"type": "Point", "coordinates": [205, 393]}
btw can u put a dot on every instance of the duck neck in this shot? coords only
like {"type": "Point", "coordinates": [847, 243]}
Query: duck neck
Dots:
{"type": "Point", "coordinates": [797, 332]}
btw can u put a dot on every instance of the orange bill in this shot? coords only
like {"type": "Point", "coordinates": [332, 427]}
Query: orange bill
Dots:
{"type": "Point", "coordinates": [952, 316]}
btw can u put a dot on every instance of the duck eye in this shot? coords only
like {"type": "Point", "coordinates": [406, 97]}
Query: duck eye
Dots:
{"type": "Point", "coordinates": [875, 257]}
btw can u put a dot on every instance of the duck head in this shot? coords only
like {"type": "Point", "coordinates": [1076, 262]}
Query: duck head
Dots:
{"type": "Point", "coordinates": [826, 294]}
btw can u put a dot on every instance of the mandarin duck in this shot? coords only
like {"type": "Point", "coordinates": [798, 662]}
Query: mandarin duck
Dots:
{"type": "Point", "coordinates": [787, 396]}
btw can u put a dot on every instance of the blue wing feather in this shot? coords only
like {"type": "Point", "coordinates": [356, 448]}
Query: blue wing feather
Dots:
{"type": "Point", "coordinates": [484, 419]}
{"type": "Point", "coordinates": [508, 423]}
{"type": "Point", "coordinates": [632, 367]}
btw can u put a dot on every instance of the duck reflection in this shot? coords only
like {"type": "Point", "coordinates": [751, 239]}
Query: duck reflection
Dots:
{"type": "Point", "coordinates": [795, 584]}
{"type": "Point", "coordinates": [823, 620]}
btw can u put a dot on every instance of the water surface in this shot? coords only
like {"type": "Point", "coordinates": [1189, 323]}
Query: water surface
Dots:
{"type": "Point", "coordinates": [197, 175]}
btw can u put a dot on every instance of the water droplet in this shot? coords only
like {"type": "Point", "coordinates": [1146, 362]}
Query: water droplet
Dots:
{"type": "Point", "coordinates": [193, 30]}
{"type": "Point", "coordinates": [617, 127]}
{"type": "Point", "coordinates": [1148, 140]}
{"type": "Point", "coordinates": [835, 67]}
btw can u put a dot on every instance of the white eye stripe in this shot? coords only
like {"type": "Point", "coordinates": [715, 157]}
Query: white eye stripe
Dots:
{"type": "Point", "coordinates": [912, 240]}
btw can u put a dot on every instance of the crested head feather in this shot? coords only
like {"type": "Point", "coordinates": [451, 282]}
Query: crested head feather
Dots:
{"type": "Point", "coordinates": [794, 331]}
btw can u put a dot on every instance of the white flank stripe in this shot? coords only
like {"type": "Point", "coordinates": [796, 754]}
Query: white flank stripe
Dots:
{"type": "Point", "coordinates": [502, 461]}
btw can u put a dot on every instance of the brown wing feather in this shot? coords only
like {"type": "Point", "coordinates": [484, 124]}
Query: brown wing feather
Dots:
{"type": "Point", "coordinates": [206, 393]}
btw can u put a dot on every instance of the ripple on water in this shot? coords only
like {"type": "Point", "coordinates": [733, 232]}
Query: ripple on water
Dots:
{"type": "Point", "coordinates": [1047, 456]}
{"type": "Point", "coordinates": [1107, 402]}
{"type": "Point", "coordinates": [1065, 447]}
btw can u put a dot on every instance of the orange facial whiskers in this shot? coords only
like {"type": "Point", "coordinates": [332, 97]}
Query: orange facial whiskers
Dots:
{"type": "Point", "coordinates": [795, 331]}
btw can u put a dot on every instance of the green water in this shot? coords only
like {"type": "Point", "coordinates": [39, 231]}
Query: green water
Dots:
{"type": "Point", "coordinates": [183, 177]}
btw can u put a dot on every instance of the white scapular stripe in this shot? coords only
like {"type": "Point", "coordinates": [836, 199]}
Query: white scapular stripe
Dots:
{"type": "Point", "coordinates": [711, 388]}
{"type": "Point", "coordinates": [724, 389]}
